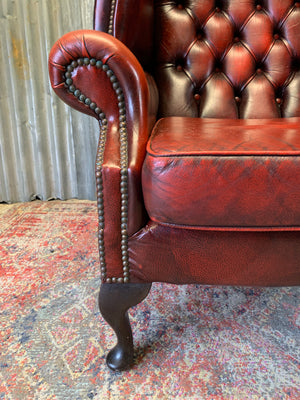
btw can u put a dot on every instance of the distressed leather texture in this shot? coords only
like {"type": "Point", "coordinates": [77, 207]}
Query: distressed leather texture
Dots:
{"type": "Point", "coordinates": [206, 173]}
{"type": "Point", "coordinates": [159, 253]}
{"type": "Point", "coordinates": [219, 173]}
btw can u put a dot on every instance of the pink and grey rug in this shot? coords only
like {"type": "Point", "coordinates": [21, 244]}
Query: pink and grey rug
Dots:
{"type": "Point", "coordinates": [193, 342]}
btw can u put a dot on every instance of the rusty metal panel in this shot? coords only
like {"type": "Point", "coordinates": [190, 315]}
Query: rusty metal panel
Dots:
{"type": "Point", "coordinates": [47, 150]}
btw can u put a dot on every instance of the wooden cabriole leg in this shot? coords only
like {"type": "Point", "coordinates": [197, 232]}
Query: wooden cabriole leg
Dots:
{"type": "Point", "coordinates": [114, 302]}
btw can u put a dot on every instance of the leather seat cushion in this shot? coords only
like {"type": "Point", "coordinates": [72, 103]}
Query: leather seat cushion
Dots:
{"type": "Point", "coordinates": [224, 174]}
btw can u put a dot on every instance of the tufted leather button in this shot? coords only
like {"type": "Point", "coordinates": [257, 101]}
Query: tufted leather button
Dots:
{"type": "Point", "coordinates": [180, 6]}
{"type": "Point", "coordinates": [257, 40]}
{"type": "Point", "coordinates": [237, 99]}
{"type": "Point", "coordinates": [279, 100]}
{"type": "Point", "coordinates": [297, 4]}
{"type": "Point", "coordinates": [197, 96]}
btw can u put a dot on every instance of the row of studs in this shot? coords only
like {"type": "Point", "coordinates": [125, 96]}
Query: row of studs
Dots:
{"type": "Point", "coordinates": [99, 162]}
{"type": "Point", "coordinates": [111, 17]}
{"type": "Point", "coordinates": [100, 199]}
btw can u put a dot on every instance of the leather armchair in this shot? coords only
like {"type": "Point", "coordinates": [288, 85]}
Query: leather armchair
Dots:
{"type": "Point", "coordinates": [198, 163]}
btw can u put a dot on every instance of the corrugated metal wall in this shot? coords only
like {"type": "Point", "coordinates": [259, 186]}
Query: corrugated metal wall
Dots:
{"type": "Point", "coordinates": [47, 150]}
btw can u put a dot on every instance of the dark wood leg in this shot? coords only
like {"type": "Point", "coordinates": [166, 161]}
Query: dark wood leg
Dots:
{"type": "Point", "coordinates": [114, 301]}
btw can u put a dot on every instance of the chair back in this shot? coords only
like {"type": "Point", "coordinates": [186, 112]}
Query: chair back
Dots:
{"type": "Point", "coordinates": [214, 59]}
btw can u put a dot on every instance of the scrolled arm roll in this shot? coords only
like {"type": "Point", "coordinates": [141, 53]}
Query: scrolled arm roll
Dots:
{"type": "Point", "coordinates": [96, 74]}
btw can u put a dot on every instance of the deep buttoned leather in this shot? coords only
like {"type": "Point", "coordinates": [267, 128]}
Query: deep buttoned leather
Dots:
{"type": "Point", "coordinates": [214, 59]}
{"type": "Point", "coordinates": [228, 59]}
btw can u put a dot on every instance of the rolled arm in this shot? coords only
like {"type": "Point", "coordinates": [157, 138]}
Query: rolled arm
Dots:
{"type": "Point", "coordinates": [96, 74]}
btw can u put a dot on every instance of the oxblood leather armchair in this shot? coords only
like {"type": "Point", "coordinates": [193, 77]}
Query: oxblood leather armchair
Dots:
{"type": "Point", "coordinates": [211, 193]}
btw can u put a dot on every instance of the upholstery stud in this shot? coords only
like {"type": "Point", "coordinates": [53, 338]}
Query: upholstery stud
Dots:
{"type": "Point", "coordinates": [99, 161]}
{"type": "Point", "coordinates": [111, 17]}
{"type": "Point", "coordinates": [125, 258]}
{"type": "Point", "coordinates": [99, 64]}
{"type": "Point", "coordinates": [69, 81]}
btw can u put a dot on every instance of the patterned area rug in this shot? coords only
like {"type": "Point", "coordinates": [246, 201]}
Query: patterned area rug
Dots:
{"type": "Point", "coordinates": [193, 342]}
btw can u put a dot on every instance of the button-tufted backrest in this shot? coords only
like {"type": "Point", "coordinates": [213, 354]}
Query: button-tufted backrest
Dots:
{"type": "Point", "coordinates": [228, 59]}
{"type": "Point", "coordinates": [219, 58]}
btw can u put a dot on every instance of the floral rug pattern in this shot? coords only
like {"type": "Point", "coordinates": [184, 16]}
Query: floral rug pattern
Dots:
{"type": "Point", "coordinates": [192, 341]}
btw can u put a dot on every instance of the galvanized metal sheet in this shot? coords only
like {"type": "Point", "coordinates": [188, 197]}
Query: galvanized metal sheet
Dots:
{"type": "Point", "coordinates": [47, 150]}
